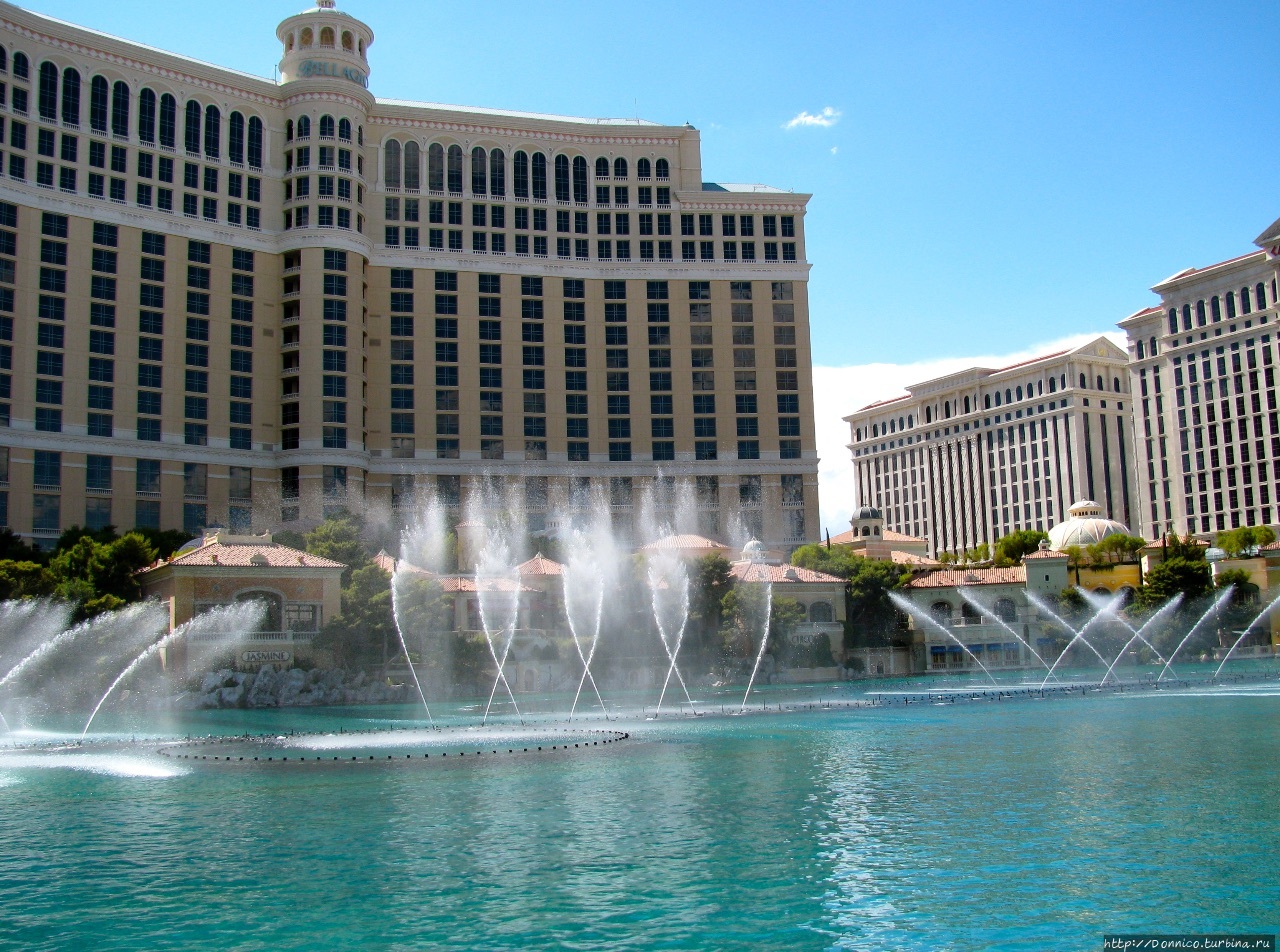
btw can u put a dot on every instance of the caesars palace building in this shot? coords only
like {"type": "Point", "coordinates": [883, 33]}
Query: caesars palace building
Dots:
{"type": "Point", "coordinates": [228, 300]}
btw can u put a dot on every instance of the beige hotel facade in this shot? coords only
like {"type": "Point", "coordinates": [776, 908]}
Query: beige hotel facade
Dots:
{"type": "Point", "coordinates": [967, 458]}
{"type": "Point", "coordinates": [231, 300]}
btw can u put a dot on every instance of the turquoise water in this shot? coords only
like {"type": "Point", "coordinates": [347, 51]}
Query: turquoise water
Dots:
{"type": "Point", "coordinates": [1019, 825]}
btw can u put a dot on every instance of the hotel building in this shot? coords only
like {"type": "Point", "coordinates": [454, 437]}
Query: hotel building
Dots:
{"type": "Point", "coordinates": [970, 457]}
{"type": "Point", "coordinates": [1203, 366]}
{"type": "Point", "coordinates": [231, 300]}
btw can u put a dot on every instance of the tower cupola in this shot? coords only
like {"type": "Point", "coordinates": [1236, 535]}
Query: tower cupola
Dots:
{"type": "Point", "coordinates": [325, 43]}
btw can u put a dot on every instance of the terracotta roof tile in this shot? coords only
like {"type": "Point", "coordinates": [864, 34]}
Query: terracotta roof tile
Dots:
{"type": "Point", "coordinates": [788, 574]}
{"type": "Point", "coordinates": [1046, 554]}
{"type": "Point", "coordinates": [540, 565]}
{"type": "Point", "coordinates": [960, 578]}
{"type": "Point", "coordinates": [249, 554]}
{"type": "Point", "coordinates": [684, 543]}
{"type": "Point", "coordinates": [910, 558]}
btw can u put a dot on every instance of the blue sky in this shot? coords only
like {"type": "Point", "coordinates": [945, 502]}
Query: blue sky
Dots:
{"type": "Point", "coordinates": [991, 176]}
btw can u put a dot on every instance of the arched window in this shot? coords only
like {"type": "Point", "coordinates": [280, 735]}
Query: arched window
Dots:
{"type": "Point", "coordinates": [48, 92]}
{"type": "Point", "coordinates": [1141, 349]}
{"type": "Point", "coordinates": [307, 37]}
{"type": "Point", "coordinates": [1006, 611]}
{"type": "Point", "coordinates": [1151, 348]}
{"type": "Point", "coordinates": [1008, 395]}
{"type": "Point", "coordinates": [359, 135]}
{"type": "Point", "coordinates": [875, 430]}
{"type": "Point", "coordinates": [497, 172]}
{"type": "Point", "coordinates": [235, 137]}
{"type": "Point", "coordinates": [910, 421]}
{"type": "Point", "coordinates": [255, 143]}
{"type": "Point", "coordinates": [120, 109]}
{"type": "Point", "coordinates": [1115, 384]}
{"type": "Point", "coordinates": [1260, 296]}
{"type": "Point", "coordinates": [147, 116]}
{"type": "Point", "coordinates": [326, 127]}
{"type": "Point", "coordinates": [1201, 319]}
{"type": "Point", "coordinates": [901, 424]}
{"type": "Point", "coordinates": [1173, 320]}
{"type": "Point", "coordinates": [435, 167]}
{"type": "Point", "coordinates": [1084, 382]}
{"type": "Point", "coordinates": [98, 93]}
{"type": "Point", "coordinates": [1215, 308]}
{"type": "Point", "coordinates": [946, 410]}
{"type": "Point", "coordinates": [1101, 385]}
{"type": "Point", "coordinates": [479, 171]}
{"type": "Point", "coordinates": [986, 401]}
{"type": "Point", "coordinates": [348, 41]}
{"type": "Point", "coordinates": [941, 612]}
{"type": "Point", "coordinates": [928, 414]}
{"type": "Point", "coordinates": [602, 167]}
{"type": "Point", "coordinates": [20, 66]}
{"type": "Point", "coordinates": [1062, 383]}
{"type": "Point", "coordinates": [71, 96]}
{"type": "Point", "coordinates": [412, 166]}
{"type": "Point", "coordinates": [288, 130]}
{"type": "Point", "coordinates": [1186, 317]}
{"type": "Point", "coordinates": [304, 127]}
{"type": "Point", "coordinates": [1019, 391]}
{"type": "Point", "coordinates": [168, 121]}
{"type": "Point", "coordinates": [642, 168]}
{"type": "Point", "coordinates": [191, 131]}
{"type": "Point", "coordinates": [562, 178]}
{"type": "Point", "coordinates": [1053, 384]}
{"type": "Point", "coordinates": [619, 167]}
{"type": "Point", "coordinates": [326, 36]}
{"type": "Point", "coordinates": [212, 132]}
{"type": "Point", "coordinates": [538, 166]}
{"type": "Point", "coordinates": [1040, 387]}
{"type": "Point", "coordinates": [455, 169]}
{"type": "Point", "coordinates": [999, 399]}
{"type": "Point", "coordinates": [820, 613]}
{"type": "Point", "coordinates": [1245, 305]}
{"type": "Point", "coordinates": [391, 164]}
{"type": "Point", "coordinates": [970, 615]}
{"type": "Point", "coordinates": [520, 174]}
{"type": "Point", "coordinates": [580, 179]}
{"type": "Point", "coordinates": [1231, 304]}
{"type": "Point", "coordinates": [663, 169]}
{"type": "Point", "coordinates": [966, 404]}
{"type": "Point", "coordinates": [4, 60]}
{"type": "Point", "coordinates": [893, 426]}
{"type": "Point", "coordinates": [866, 530]}
{"type": "Point", "coordinates": [344, 129]}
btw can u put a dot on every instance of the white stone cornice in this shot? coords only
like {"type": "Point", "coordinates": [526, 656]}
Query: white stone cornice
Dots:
{"type": "Point", "coordinates": [151, 69]}
{"type": "Point", "coordinates": [482, 129]}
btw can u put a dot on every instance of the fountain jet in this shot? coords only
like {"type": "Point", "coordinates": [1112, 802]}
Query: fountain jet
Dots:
{"type": "Point", "coordinates": [914, 611]}
{"type": "Point", "coordinates": [1245, 633]}
{"type": "Point", "coordinates": [972, 599]}
{"type": "Point", "coordinates": [1137, 633]}
{"type": "Point", "coordinates": [1212, 609]}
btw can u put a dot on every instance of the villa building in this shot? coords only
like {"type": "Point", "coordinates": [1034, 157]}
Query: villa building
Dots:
{"type": "Point", "coordinates": [231, 300]}
{"type": "Point", "coordinates": [1202, 368]}
{"type": "Point", "coordinates": [967, 458]}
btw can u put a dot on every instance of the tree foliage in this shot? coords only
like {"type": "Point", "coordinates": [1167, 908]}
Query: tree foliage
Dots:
{"type": "Point", "coordinates": [1011, 549]}
{"type": "Point", "coordinates": [339, 538]}
{"type": "Point", "coordinates": [1237, 542]}
{"type": "Point", "coordinates": [365, 625]}
{"type": "Point", "coordinates": [873, 618]}
{"type": "Point", "coordinates": [710, 581]}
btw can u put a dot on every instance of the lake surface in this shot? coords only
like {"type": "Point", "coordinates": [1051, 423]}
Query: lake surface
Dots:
{"type": "Point", "coordinates": [1024, 824]}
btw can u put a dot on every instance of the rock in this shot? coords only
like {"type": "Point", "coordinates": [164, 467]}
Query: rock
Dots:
{"type": "Point", "coordinates": [231, 697]}
{"type": "Point", "coordinates": [210, 681]}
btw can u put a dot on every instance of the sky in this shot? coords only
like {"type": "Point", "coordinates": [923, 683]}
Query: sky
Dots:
{"type": "Point", "coordinates": [986, 177]}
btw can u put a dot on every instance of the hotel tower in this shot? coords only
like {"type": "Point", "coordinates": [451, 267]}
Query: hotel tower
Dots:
{"type": "Point", "coordinates": [228, 300]}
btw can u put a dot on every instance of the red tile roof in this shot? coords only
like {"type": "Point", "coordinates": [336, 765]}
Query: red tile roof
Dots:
{"type": "Point", "coordinates": [1033, 360]}
{"type": "Point", "coordinates": [1046, 554]}
{"type": "Point", "coordinates": [684, 543]}
{"type": "Point", "coordinates": [540, 565]}
{"type": "Point", "coordinates": [961, 578]}
{"type": "Point", "coordinates": [780, 574]}
{"type": "Point", "coordinates": [247, 552]}
{"type": "Point", "coordinates": [885, 403]}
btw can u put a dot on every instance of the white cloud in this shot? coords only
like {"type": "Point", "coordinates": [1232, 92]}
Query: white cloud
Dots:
{"type": "Point", "coordinates": [839, 391]}
{"type": "Point", "coordinates": [835, 149]}
{"type": "Point", "coordinates": [828, 117]}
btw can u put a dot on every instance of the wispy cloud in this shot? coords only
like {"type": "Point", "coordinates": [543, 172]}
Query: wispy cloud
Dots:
{"type": "Point", "coordinates": [839, 391]}
{"type": "Point", "coordinates": [835, 149]}
{"type": "Point", "coordinates": [828, 117]}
